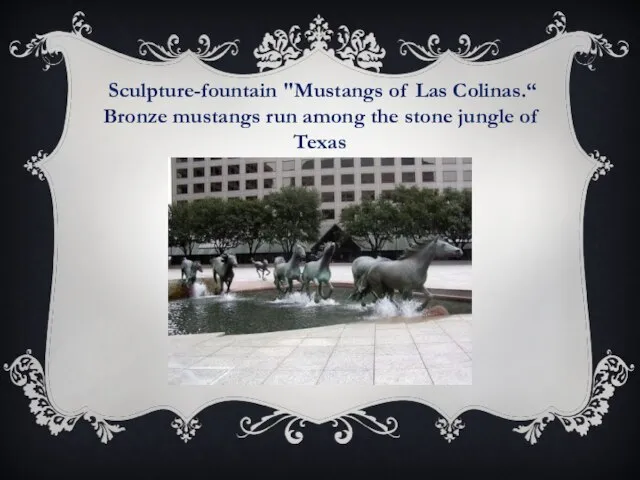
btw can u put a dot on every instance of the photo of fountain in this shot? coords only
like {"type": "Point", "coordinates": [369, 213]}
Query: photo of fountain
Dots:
{"type": "Point", "coordinates": [266, 288]}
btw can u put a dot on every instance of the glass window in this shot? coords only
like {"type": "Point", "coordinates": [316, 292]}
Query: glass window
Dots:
{"type": "Point", "coordinates": [388, 177]}
{"type": "Point", "coordinates": [408, 161]}
{"type": "Point", "coordinates": [215, 186]}
{"type": "Point", "coordinates": [327, 197]}
{"type": "Point", "coordinates": [327, 180]}
{"type": "Point", "coordinates": [366, 162]}
{"type": "Point", "coordinates": [387, 162]}
{"type": "Point", "coordinates": [428, 176]}
{"type": "Point", "coordinates": [450, 176]}
{"type": "Point", "coordinates": [348, 196]}
{"type": "Point", "coordinates": [346, 179]}
{"type": "Point", "coordinates": [367, 178]}
{"type": "Point", "coordinates": [198, 188]}
{"type": "Point", "coordinates": [346, 162]}
{"type": "Point", "coordinates": [408, 177]}
{"type": "Point", "coordinates": [326, 163]}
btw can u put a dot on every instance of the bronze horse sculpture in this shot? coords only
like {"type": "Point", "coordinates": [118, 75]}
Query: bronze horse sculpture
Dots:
{"type": "Point", "coordinates": [262, 268]}
{"type": "Point", "coordinates": [406, 275]}
{"type": "Point", "coordinates": [359, 268]}
{"type": "Point", "coordinates": [318, 271]}
{"type": "Point", "coordinates": [222, 267]}
{"type": "Point", "coordinates": [188, 271]}
{"type": "Point", "coordinates": [287, 272]}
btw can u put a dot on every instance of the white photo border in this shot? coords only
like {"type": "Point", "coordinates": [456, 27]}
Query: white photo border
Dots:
{"type": "Point", "coordinates": [279, 49]}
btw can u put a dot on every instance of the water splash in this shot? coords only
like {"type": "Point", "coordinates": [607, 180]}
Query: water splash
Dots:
{"type": "Point", "coordinates": [301, 299]}
{"type": "Point", "coordinates": [227, 297]}
{"type": "Point", "coordinates": [385, 308]}
{"type": "Point", "coordinates": [199, 290]}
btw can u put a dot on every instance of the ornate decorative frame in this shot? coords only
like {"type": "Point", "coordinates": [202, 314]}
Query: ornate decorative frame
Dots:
{"type": "Point", "coordinates": [279, 49]}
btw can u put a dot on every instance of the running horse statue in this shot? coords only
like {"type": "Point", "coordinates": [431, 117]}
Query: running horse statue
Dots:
{"type": "Point", "coordinates": [222, 267]}
{"type": "Point", "coordinates": [319, 271]}
{"type": "Point", "coordinates": [406, 275]}
{"type": "Point", "coordinates": [288, 271]}
{"type": "Point", "coordinates": [262, 268]}
{"type": "Point", "coordinates": [359, 267]}
{"type": "Point", "coordinates": [188, 271]}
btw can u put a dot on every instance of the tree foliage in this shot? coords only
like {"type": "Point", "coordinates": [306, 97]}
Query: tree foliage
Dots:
{"type": "Point", "coordinates": [371, 222]}
{"type": "Point", "coordinates": [294, 217]}
{"type": "Point", "coordinates": [183, 231]}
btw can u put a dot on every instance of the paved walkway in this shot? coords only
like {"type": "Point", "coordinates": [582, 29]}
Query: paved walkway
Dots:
{"type": "Point", "coordinates": [400, 352]}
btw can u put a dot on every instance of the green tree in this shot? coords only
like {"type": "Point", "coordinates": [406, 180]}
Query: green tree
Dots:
{"type": "Point", "coordinates": [217, 223]}
{"type": "Point", "coordinates": [456, 218]}
{"type": "Point", "coordinates": [371, 222]}
{"type": "Point", "coordinates": [420, 212]}
{"type": "Point", "coordinates": [254, 218]}
{"type": "Point", "coordinates": [294, 217]}
{"type": "Point", "coordinates": [183, 229]}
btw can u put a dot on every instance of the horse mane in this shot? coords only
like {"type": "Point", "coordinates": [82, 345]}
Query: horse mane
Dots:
{"type": "Point", "coordinates": [414, 249]}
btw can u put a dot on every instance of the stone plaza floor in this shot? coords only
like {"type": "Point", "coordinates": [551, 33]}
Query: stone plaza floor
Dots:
{"type": "Point", "coordinates": [393, 351]}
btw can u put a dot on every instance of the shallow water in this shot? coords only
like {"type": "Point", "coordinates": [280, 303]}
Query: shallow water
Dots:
{"type": "Point", "coordinates": [261, 311]}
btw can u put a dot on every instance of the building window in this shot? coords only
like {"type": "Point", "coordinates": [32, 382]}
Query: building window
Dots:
{"type": "Point", "coordinates": [466, 160]}
{"type": "Point", "coordinates": [387, 162]}
{"type": "Point", "coordinates": [233, 170]}
{"type": "Point", "coordinates": [308, 164]}
{"type": "Point", "coordinates": [428, 161]}
{"type": "Point", "coordinates": [366, 162]}
{"type": "Point", "coordinates": [386, 194]}
{"type": "Point", "coordinates": [288, 165]}
{"type": "Point", "coordinates": [182, 189]}
{"type": "Point", "coordinates": [215, 186]}
{"type": "Point", "coordinates": [233, 186]}
{"type": "Point", "coordinates": [327, 180]}
{"type": "Point", "coordinates": [466, 175]}
{"type": "Point", "coordinates": [216, 171]}
{"type": "Point", "coordinates": [181, 160]}
{"type": "Point", "coordinates": [408, 177]}
{"type": "Point", "coordinates": [290, 181]}
{"type": "Point", "coordinates": [368, 195]}
{"type": "Point", "coordinates": [182, 173]}
{"type": "Point", "coordinates": [326, 163]}
{"type": "Point", "coordinates": [327, 197]}
{"type": "Point", "coordinates": [450, 176]}
{"type": "Point", "coordinates": [198, 172]}
{"type": "Point", "coordinates": [307, 181]}
{"type": "Point", "coordinates": [346, 179]}
{"type": "Point", "coordinates": [251, 185]}
{"type": "Point", "coordinates": [268, 167]}
{"type": "Point", "coordinates": [406, 161]}
{"type": "Point", "coordinates": [388, 177]}
{"type": "Point", "coordinates": [367, 178]}
{"type": "Point", "coordinates": [328, 214]}
{"type": "Point", "coordinates": [449, 161]}
{"type": "Point", "coordinates": [268, 183]}
{"type": "Point", "coordinates": [346, 162]}
{"type": "Point", "coordinates": [251, 168]}
{"type": "Point", "coordinates": [198, 159]}
{"type": "Point", "coordinates": [198, 188]}
{"type": "Point", "coordinates": [348, 196]}
{"type": "Point", "coordinates": [428, 176]}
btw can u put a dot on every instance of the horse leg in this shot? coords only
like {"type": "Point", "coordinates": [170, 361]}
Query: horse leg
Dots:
{"type": "Point", "coordinates": [328, 296]}
{"type": "Point", "coordinates": [318, 295]}
{"type": "Point", "coordinates": [290, 285]}
{"type": "Point", "coordinates": [428, 296]}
